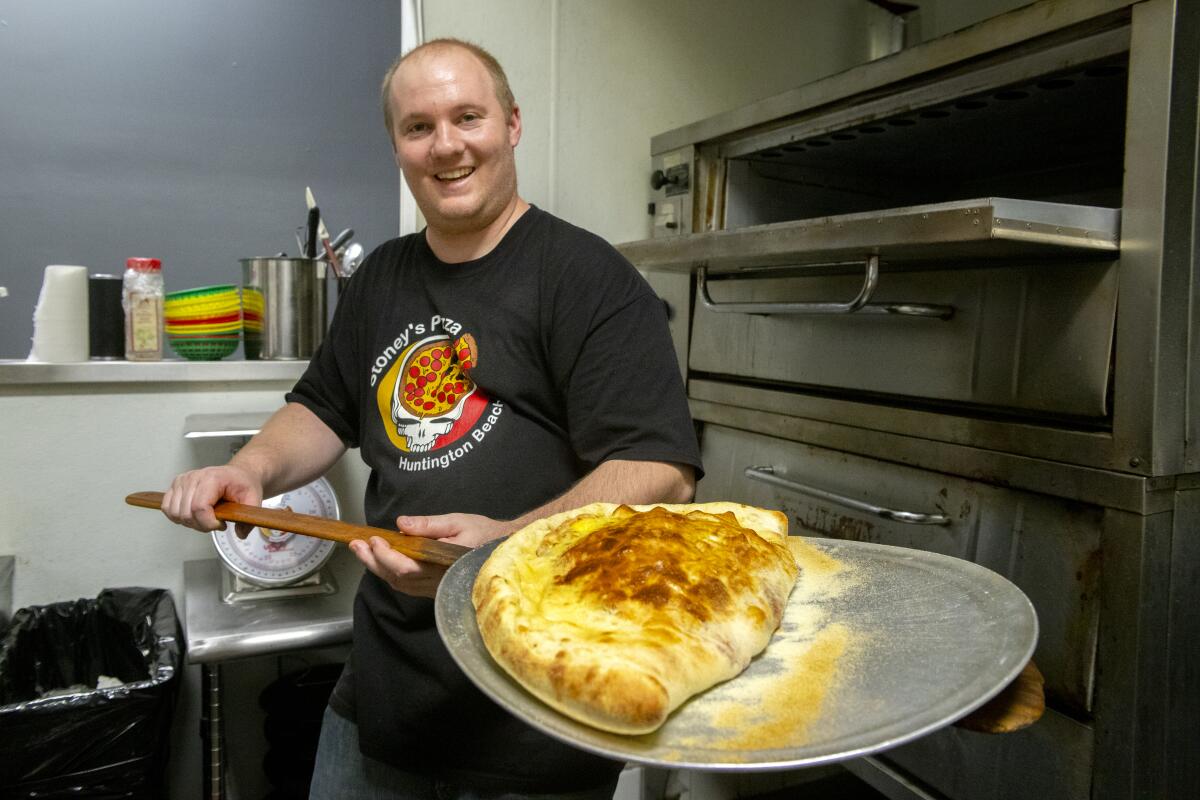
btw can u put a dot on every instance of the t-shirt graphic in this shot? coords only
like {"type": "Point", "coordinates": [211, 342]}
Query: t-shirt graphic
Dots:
{"type": "Point", "coordinates": [427, 400]}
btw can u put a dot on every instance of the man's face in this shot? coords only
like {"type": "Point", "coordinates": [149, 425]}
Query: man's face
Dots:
{"type": "Point", "coordinates": [453, 141]}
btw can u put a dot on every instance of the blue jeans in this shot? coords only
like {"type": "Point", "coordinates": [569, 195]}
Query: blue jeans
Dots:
{"type": "Point", "coordinates": [344, 773]}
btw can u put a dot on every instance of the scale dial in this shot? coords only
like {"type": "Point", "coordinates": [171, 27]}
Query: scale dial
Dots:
{"type": "Point", "coordinates": [272, 558]}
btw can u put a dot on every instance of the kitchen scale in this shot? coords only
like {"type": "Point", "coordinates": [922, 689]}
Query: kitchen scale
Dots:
{"type": "Point", "coordinates": [270, 564]}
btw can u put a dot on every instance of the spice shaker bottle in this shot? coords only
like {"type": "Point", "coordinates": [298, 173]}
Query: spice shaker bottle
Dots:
{"type": "Point", "coordinates": [142, 301]}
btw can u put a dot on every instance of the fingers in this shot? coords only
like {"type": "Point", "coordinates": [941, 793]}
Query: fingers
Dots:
{"type": "Point", "coordinates": [470, 530]}
{"type": "Point", "coordinates": [435, 527]}
{"type": "Point", "coordinates": [396, 569]}
{"type": "Point", "coordinates": [190, 498]}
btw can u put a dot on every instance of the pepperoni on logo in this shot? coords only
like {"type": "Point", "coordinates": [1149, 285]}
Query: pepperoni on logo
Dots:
{"type": "Point", "coordinates": [435, 376]}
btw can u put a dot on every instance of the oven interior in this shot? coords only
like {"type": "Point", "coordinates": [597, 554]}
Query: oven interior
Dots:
{"type": "Point", "coordinates": [1058, 136]}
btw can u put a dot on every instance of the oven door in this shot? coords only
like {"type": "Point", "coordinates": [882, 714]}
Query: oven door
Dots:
{"type": "Point", "coordinates": [1034, 339]}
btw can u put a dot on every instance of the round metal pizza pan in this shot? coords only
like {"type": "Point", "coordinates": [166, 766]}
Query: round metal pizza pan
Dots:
{"type": "Point", "coordinates": [886, 645]}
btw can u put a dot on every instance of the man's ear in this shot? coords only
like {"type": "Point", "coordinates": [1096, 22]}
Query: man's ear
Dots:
{"type": "Point", "coordinates": [514, 126]}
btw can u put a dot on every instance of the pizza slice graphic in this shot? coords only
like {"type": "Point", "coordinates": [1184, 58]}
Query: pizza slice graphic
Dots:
{"type": "Point", "coordinates": [431, 388]}
{"type": "Point", "coordinates": [435, 376]}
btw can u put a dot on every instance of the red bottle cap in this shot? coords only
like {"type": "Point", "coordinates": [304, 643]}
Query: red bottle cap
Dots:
{"type": "Point", "coordinates": [143, 264]}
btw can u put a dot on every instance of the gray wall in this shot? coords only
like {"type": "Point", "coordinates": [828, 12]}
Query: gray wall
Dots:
{"type": "Point", "coordinates": [186, 132]}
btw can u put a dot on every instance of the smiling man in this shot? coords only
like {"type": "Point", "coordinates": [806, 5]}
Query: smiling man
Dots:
{"type": "Point", "coordinates": [455, 150]}
{"type": "Point", "coordinates": [498, 367]}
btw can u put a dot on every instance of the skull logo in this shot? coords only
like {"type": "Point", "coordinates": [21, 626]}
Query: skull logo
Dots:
{"type": "Point", "coordinates": [421, 432]}
{"type": "Point", "coordinates": [430, 393]}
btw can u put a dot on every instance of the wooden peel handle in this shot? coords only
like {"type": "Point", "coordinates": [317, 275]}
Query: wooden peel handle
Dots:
{"type": "Point", "coordinates": [1019, 705]}
{"type": "Point", "coordinates": [430, 551]}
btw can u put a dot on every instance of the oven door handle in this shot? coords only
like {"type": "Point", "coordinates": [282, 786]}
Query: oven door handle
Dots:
{"type": "Point", "coordinates": [766, 474]}
{"type": "Point", "coordinates": [858, 305]}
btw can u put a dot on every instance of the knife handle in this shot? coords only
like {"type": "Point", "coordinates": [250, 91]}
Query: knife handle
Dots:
{"type": "Point", "coordinates": [418, 548]}
{"type": "Point", "coordinates": [310, 243]}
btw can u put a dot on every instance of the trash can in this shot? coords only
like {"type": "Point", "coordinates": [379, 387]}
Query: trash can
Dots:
{"type": "Point", "coordinates": [87, 692]}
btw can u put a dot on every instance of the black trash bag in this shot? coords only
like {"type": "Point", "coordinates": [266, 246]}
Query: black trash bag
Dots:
{"type": "Point", "coordinates": [87, 692]}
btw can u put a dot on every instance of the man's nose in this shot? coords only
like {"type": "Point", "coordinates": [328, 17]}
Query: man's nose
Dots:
{"type": "Point", "coordinates": [446, 140]}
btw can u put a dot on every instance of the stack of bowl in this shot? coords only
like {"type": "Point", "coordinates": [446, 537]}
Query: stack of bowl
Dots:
{"type": "Point", "coordinates": [203, 324]}
{"type": "Point", "coordinates": [253, 311]}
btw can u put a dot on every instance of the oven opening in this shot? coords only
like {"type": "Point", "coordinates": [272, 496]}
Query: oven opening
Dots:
{"type": "Point", "coordinates": [1056, 137]}
{"type": "Point", "coordinates": [882, 400]}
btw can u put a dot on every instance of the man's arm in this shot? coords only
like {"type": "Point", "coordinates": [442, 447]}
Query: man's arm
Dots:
{"type": "Point", "coordinates": [293, 448]}
{"type": "Point", "coordinates": [629, 482]}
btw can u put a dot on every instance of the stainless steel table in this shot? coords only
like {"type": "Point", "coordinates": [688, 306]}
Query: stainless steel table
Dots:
{"type": "Point", "coordinates": [217, 632]}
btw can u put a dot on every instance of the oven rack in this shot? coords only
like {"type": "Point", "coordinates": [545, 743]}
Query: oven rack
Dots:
{"type": "Point", "coordinates": [951, 233]}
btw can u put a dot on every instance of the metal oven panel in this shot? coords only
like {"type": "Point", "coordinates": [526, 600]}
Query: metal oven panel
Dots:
{"type": "Point", "coordinates": [675, 290]}
{"type": "Point", "coordinates": [671, 193]}
{"type": "Point", "coordinates": [956, 234]}
{"type": "Point", "coordinates": [1036, 337]}
{"type": "Point", "coordinates": [1047, 546]}
{"type": "Point", "coordinates": [1052, 760]}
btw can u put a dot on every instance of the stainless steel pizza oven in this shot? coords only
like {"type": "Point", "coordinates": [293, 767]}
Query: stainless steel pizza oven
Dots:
{"type": "Point", "coordinates": [945, 300]}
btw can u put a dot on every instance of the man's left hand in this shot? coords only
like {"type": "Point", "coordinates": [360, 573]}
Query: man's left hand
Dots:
{"type": "Point", "coordinates": [415, 578]}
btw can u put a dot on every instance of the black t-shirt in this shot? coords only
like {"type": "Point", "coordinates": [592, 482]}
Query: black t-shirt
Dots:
{"type": "Point", "coordinates": [487, 387]}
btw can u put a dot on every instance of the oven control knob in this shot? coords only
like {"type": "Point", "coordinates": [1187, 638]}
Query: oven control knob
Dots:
{"type": "Point", "coordinates": [660, 179]}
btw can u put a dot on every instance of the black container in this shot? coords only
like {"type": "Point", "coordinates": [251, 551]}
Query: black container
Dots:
{"type": "Point", "coordinates": [59, 737]}
{"type": "Point", "coordinates": [106, 320]}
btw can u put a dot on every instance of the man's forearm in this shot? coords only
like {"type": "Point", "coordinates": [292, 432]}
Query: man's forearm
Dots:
{"type": "Point", "coordinates": [293, 448]}
{"type": "Point", "coordinates": [629, 482]}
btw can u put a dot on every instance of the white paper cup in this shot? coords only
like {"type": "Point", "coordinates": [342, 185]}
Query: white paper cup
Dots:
{"type": "Point", "coordinates": [60, 319]}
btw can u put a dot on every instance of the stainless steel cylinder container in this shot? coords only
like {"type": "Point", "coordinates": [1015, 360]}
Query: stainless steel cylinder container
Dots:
{"type": "Point", "coordinates": [283, 307]}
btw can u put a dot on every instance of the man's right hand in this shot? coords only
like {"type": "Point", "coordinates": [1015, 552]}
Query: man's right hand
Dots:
{"type": "Point", "coordinates": [190, 499]}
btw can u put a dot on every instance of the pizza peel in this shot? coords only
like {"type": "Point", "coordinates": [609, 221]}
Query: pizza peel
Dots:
{"type": "Point", "coordinates": [938, 640]}
{"type": "Point", "coordinates": [902, 643]}
{"type": "Point", "coordinates": [418, 548]}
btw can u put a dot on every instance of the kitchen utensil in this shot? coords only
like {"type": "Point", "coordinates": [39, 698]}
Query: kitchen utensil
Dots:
{"type": "Point", "coordinates": [323, 235]}
{"type": "Point", "coordinates": [311, 202]}
{"type": "Point", "coordinates": [1018, 706]}
{"type": "Point", "coordinates": [203, 348]}
{"type": "Point", "coordinates": [287, 299]}
{"type": "Point", "coordinates": [310, 239]}
{"type": "Point", "coordinates": [340, 240]}
{"type": "Point", "coordinates": [430, 551]}
{"type": "Point", "coordinates": [354, 257]}
{"type": "Point", "coordinates": [927, 639]}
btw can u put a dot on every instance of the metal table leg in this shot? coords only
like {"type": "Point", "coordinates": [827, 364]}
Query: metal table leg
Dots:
{"type": "Point", "coordinates": [212, 733]}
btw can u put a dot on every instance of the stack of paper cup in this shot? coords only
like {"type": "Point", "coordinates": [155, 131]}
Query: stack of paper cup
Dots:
{"type": "Point", "coordinates": [60, 320]}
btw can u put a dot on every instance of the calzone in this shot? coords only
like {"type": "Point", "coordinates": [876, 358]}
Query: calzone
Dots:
{"type": "Point", "coordinates": [615, 615]}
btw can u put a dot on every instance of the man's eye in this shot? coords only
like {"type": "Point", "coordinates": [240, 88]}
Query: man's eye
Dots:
{"type": "Point", "coordinates": [470, 117]}
{"type": "Point", "coordinates": [418, 127]}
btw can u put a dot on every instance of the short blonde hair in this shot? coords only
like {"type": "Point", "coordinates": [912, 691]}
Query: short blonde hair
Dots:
{"type": "Point", "coordinates": [499, 80]}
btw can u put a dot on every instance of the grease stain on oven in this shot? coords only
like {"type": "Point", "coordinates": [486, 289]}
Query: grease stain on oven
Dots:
{"type": "Point", "coordinates": [819, 521]}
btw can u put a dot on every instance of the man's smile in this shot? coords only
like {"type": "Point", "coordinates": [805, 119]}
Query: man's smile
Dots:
{"type": "Point", "coordinates": [455, 174]}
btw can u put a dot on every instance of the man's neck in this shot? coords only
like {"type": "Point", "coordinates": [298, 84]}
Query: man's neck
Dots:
{"type": "Point", "coordinates": [456, 248]}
